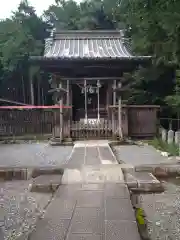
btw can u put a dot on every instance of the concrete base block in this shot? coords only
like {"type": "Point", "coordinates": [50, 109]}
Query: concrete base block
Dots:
{"type": "Point", "coordinates": [148, 188]}
{"type": "Point", "coordinates": [131, 181]}
{"type": "Point", "coordinates": [46, 183]}
{"type": "Point", "coordinates": [161, 170]}
{"type": "Point", "coordinates": [72, 176]}
{"type": "Point", "coordinates": [56, 142]}
{"type": "Point", "coordinates": [127, 168]}
{"type": "Point", "coordinates": [9, 174]}
{"type": "Point", "coordinates": [47, 171]}
{"type": "Point", "coordinates": [143, 183]}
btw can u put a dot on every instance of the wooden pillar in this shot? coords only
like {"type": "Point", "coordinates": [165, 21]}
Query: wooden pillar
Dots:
{"type": "Point", "coordinates": [98, 86]}
{"type": "Point", "coordinates": [71, 103]}
{"type": "Point", "coordinates": [114, 103]}
{"type": "Point", "coordinates": [56, 127]}
{"type": "Point", "coordinates": [61, 114]}
{"type": "Point", "coordinates": [120, 117]}
{"type": "Point", "coordinates": [85, 95]}
{"type": "Point", "coordinates": [69, 110]}
{"type": "Point", "coordinates": [68, 96]}
{"type": "Point", "coordinates": [107, 101]}
{"type": "Point", "coordinates": [120, 112]}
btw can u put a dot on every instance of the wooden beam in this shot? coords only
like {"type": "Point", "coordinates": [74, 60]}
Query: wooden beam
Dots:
{"type": "Point", "coordinates": [135, 106]}
{"type": "Point", "coordinates": [14, 102]}
{"type": "Point", "coordinates": [122, 89]}
{"type": "Point", "coordinates": [91, 78]}
{"type": "Point", "coordinates": [57, 90]}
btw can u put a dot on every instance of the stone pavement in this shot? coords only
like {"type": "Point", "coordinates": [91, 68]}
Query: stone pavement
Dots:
{"type": "Point", "coordinates": [138, 155]}
{"type": "Point", "coordinates": [91, 153]}
{"type": "Point", "coordinates": [29, 155]}
{"type": "Point", "coordinates": [93, 203]}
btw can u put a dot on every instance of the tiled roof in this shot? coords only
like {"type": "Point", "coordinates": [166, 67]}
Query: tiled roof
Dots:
{"type": "Point", "coordinates": [87, 45]}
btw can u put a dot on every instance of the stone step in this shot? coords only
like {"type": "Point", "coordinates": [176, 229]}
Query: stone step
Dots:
{"type": "Point", "coordinates": [94, 174]}
{"type": "Point", "coordinates": [143, 182]}
{"type": "Point", "coordinates": [45, 183]}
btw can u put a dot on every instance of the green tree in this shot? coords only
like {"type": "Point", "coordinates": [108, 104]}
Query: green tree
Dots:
{"type": "Point", "coordinates": [21, 36]}
{"type": "Point", "coordinates": [86, 15]}
{"type": "Point", "coordinates": [153, 27]}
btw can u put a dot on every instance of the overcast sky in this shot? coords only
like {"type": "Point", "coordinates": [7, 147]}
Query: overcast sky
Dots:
{"type": "Point", "coordinates": [10, 5]}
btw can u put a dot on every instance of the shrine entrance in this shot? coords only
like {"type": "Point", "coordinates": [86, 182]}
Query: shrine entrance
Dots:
{"type": "Point", "coordinates": [90, 110]}
{"type": "Point", "coordinates": [89, 100]}
{"type": "Point", "coordinates": [92, 95]}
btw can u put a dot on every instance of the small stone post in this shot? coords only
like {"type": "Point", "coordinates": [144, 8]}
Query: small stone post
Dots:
{"type": "Point", "coordinates": [177, 138]}
{"type": "Point", "coordinates": [170, 136]}
{"type": "Point", "coordinates": [2, 219]}
{"type": "Point", "coordinates": [1, 233]}
{"type": "Point", "coordinates": [164, 135]}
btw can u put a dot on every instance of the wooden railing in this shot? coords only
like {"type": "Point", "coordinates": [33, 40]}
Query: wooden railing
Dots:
{"type": "Point", "coordinates": [26, 122]}
{"type": "Point", "coordinates": [137, 121]}
{"type": "Point", "coordinates": [103, 129]}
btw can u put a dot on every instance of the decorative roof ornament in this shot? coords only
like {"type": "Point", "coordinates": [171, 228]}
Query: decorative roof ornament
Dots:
{"type": "Point", "coordinates": [52, 33]}
{"type": "Point", "coordinates": [48, 45]}
{"type": "Point", "coordinates": [49, 42]}
{"type": "Point", "coordinates": [122, 33]}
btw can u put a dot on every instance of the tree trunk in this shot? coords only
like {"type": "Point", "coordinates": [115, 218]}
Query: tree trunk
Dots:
{"type": "Point", "coordinates": [39, 92]}
{"type": "Point", "coordinates": [42, 96]}
{"type": "Point", "coordinates": [23, 90]}
{"type": "Point", "coordinates": [31, 90]}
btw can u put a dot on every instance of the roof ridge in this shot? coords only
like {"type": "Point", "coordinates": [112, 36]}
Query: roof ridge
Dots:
{"type": "Point", "coordinates": [89, 31]}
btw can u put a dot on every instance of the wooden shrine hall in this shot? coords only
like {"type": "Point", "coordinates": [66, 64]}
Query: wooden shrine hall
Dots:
{"type": "Point", "coordinates": [86, 69]}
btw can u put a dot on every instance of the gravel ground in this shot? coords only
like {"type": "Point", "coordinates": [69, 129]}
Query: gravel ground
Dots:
{"type": "Point", "coordinates": [162, 210]}
{"type": "Point", "coordinates": [163, 213]}
{"type": "Point", "coordinates": [137, 155]}
{"type": "Point", "coordinates": [31, 155]}
{"type": "Point", "coordinates": [19, 208]}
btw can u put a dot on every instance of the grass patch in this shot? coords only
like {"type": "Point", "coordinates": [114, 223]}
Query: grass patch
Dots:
{"type": "Point", "coordinates": [164, 146]}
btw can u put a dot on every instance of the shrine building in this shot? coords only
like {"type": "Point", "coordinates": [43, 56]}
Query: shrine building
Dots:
{"type": "Point", "coordinates": [86, 69]}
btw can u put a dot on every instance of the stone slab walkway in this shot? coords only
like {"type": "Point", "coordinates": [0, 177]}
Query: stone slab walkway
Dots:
{"type": "Point", "coordinates": [96, 207]}
{"type": "Point", "coordinates": [91, 153]}
{"type": "Point", "coordinates": [138, 155]}
{"type": "Point", "coordinates": [89, 211]}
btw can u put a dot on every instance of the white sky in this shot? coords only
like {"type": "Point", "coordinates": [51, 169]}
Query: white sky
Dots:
{"type": "Point", "coordinates": [11, 5]}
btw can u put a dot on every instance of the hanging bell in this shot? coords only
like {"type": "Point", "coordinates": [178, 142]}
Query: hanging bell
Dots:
{"type": "Point", "coordinates": [89, 100]}
{"type": "Point", "coordinates": [91, 90]}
